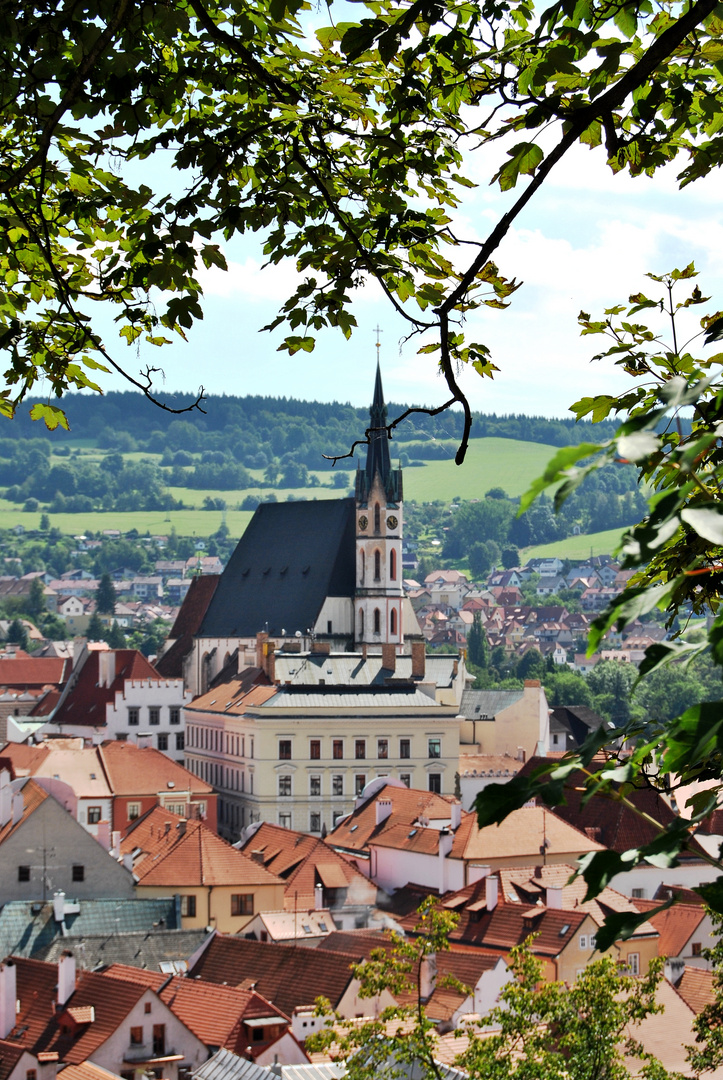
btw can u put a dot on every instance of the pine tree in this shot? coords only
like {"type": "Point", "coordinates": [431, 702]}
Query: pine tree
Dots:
{"type": "Point", "coordinates": [105, 595]}
{"type": "Point", "coordinates": [95, 629]}
{"type": "Point", "coordinates": [477, 646]}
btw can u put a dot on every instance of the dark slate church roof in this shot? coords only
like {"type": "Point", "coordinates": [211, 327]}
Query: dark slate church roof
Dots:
{"type": "Point", "coordinates": [291, 557]}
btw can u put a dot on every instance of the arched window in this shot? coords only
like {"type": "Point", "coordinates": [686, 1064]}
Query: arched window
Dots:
{"type": "Point", "coordinates": [361, 624]}
{"type": "Point", "coordinates": [377, 565]}
{"type": "Point", "coordinates": [362, 567]}
{"type": "Point", "coordinates": [377, 621]}
{"type": "Point", "coordinates": [393, 622]}
{"type": "Point", "coordinates": [392, 565]}
{"type": "Point", "coordinates": [377, 518]}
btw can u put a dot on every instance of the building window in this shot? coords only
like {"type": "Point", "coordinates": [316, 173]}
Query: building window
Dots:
{"type": "Point", "coordinates": [393, 565]}
{"type": "Point", "coordinates": [94, 813]}
{"type": "Point", "coordinates": [405, 748]}
{"type": "Point", "coordinates": [638, 894]}
{"type": "Point", "coordinates": [78, 873]}
{"type": "Point", "coordinates": [592, 941]}
{"type": "Point", "coordinates": [285, 821]}
{"type": "Point", "coordinates": [435, 782]}
{"type": "Point", "coordinates": [188, 906]}
{"type": "Point", "coordinates": [31, 1074]}
{"type": "Point", "coordinates": [154, 715]}
{"type": "Point", "coordinates": [335, 818]}
{"type": "Point", "coordinates": [23, 873]}
{"type": "Point", "coordinates": [159, 1040]}
{"type": "Point", "coordinates": [337, 785]}
{"type": "Point", "coordinates": [242, 903]}
{"type": "Point", "coordinates": [434, 748]}
{"type": "Point", "coordinates": [360, 749]}
{"type": "Point", "coordinates": [337, 749]}
{"type": "Point", "coordinates": [361, 625]}
{"type": "Point", "coordinates": [583, 941]}
{"type": "Point", "coordinates": [136, 1036]}
{"type": "Point", "coordinates": [406, 779]}
{"type": "Point", "coordinates": [175, 714]}
{"type": "Point", "coordinates": [315, 749]}
{"type": "Point", "coordinates": [284, 786]}
{"type": "Point", "coordinates": [180, 741]}
{"type": "Point", "coordinates": [696, 948]}
{"type": "Point", "coordinates": [360, 782]}
{"type": "Point", "coordinates": [377, 621]}
{"type": "Point", "coordinates": [162, 740]}
{"type": "Point", "coordinates": [133, 717]}
{"type": "Point", "coordinates": [393, 621]}
{"type": "Point", "coordinates": [382, 748]}
{"type": "Point", "coordinates": [134, 810]}
{"type": "Point", "coordinates": [315, 822]}
{"type": "Point", "coordinates": [284, 750]}
{"type": "Point", "coordinates": [377, 518]}
{"type": "Point", "coordinates": [147, 1008]}
{"type": "Point", "coordinates": [634, 963]}
{"type": "Point", "coordinates": [122, 736]}
{"type": "Point", "coordinates": [314, 786]}
{"type": "Point", "coordinates": [176, 808]}
{"type": "Point", "coordinates": [377, 565]}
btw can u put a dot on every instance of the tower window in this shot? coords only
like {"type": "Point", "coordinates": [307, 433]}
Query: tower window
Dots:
{"type": "Point", "coordinates": [393, 621]}
{"type": "Point", "coordinates": [377, 621]}
{"type": "Point", "coordinates": [393, 565]}
{"type": "Point", "coordinates": [361, 625]}
{"type": "Point", "coordinates": [377, 565]}
{"type": "Point", "coordinates": [362, 567]}
{"type": "Point", "coordinates": [377, 518]}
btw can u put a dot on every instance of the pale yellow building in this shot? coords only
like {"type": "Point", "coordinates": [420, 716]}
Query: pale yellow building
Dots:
{"type": "Point", "coordinates": [299, 750]}
{"type": "Point", "coordinates": [218, 885]}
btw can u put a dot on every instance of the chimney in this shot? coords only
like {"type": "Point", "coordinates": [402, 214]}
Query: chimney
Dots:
{"type": "Point", "coordinates": [18, 806]}
{"type": "Point", "coordinates": [419, 659]}
{"type": "Point", "coordinates": [427, 976]}
{"type": "Point", "coordinates": [48, 1062]}
{"type": "Point", "coordinates": [491, 892]}
{"type": "Point", "coordinates": [532, 683]}
{"type": "Point", "coordinates": [106, 667]}
{"type": "Point", "coordinates": [553, 898]}
{"type": "Point", "coordinates": [389, 656]}
{"type": "Point", "coordinates": [318, 897]}
{"type": "Point", "coordinates": [8, 998]}
{"type": "Point", "coordinates": [66, 976]}
{"type": "Point", "coordinates": [102, 834]}
{"type": "Point", "coordinates": [321, 648]}
{"type": "Point", "coordinates": [383, 809]}
{"type": "Point", "coordinates": [6, 798]}
{"type": "Point", "coordinates": [258, 856]}
{"type": "Point", "coordinates": [128, 861]}
{"type": "Point", "coordinates": [260, 640]}
{"type": "Point", "coordinates": [59, 906]}
{"type": "Point", "coordinates": [446, 840]}
{"type": "Point", "coordinates": [115, 848]}
{"type": "Point", "coordinates": [456, 815]}
{"type": "Point", "coordinates": [181, 828]}
{"type": "Point", "coordinates": [269, 659]}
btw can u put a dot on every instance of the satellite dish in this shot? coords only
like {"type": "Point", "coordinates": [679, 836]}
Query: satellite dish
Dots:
{"type": "Point", "coordinates": [298, 633]}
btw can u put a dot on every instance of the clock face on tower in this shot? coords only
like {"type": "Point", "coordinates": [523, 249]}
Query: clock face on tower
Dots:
{"type": "Point", "coordinates": [363, 522]}
{"type": "Point", "coordinates": [392, 522]}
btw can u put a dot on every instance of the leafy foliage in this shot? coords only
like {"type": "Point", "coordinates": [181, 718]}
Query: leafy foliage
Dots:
{"type": "Point", "coordinates": [344, 152]}
{"type": "Point", "coordinates": [675, 553]}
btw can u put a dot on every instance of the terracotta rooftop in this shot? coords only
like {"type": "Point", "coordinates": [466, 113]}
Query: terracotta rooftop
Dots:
{"type": "Point", "coordinates": [408, 805]}
{"type": "Point", "coordinates": [695, 986]}
{"type": "Point", "coordinates": [521, 835]}
{"type": "Point", "coordinates": [88, 692]}
{"type": "Point", "coordinates": [676, 925]}
{"type": "Point", "coordinates": [34, 671]}
{"type": "Point", "coordinates": [134, 770]}
{"type": "Point", "coordinates": [287, 975]}
{"type": "Point", "coordinates": [10, 1054]}
{"type": "Point", "coordinates": [188, 853]}
{"type": "Point", "coordinates": [189, 618]}
{"type": "Point", "coordinates": [303, 861]}
{"type": "Point", "coordinates": [41, 1029]}
{"type": "Point", "coordinates": [212, 1012]}
{"type": "Point", "coordinates": [232, 697]}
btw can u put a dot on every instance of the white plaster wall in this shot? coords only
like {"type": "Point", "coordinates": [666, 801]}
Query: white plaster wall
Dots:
{"type": "Point", "coordinates": [650, 878]}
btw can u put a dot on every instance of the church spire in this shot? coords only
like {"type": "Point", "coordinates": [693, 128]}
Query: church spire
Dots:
{"type": "Point", "coordinates": [378, 457]}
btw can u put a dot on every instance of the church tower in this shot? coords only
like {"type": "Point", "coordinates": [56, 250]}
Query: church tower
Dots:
{"type": "Point", "coordinates": [378, 594]}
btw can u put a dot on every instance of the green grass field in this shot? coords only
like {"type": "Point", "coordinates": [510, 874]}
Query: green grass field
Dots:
{"type": "Point", "coordinates": [158, 523]}
{"type": "Point", "coordinates": [577, 547]}
{"type": "Point", "coordinates": [506, 463]}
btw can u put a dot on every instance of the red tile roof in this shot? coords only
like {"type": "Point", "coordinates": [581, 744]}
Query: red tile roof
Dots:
{"type": "Point", "coordinates": [695, 986]}
{"type": "Point", "coordinates": [34, 671]}
{"type": "Point", "coordinates": [10, 1054]}
{"type": "Point", "coordinates": [302, 861]}
{"type": "Point", "coordinates": [521, 835]}
{"type": "Point", "coordinates": [187, 854]}
{"type": "Point", "coordinates": [213, 1013]}
{"type": "Point", "coordinates": [287, 975]}
{"type": "Point", "coordinates": [111, 1000]}
{"type": "Point", "coordinates": [85, 699]}
{"type": "Point", "coordinates": [676, 926]}
{"type": "Point", "coordinates": [189, 618]}
{"type": "Point", "coordinates": [408, 805]}
{"type": "Point", "coordinates": [134, 770]}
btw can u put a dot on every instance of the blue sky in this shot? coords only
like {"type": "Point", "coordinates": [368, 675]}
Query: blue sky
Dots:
{"type": "Point", "coordinates": [584, 242]}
